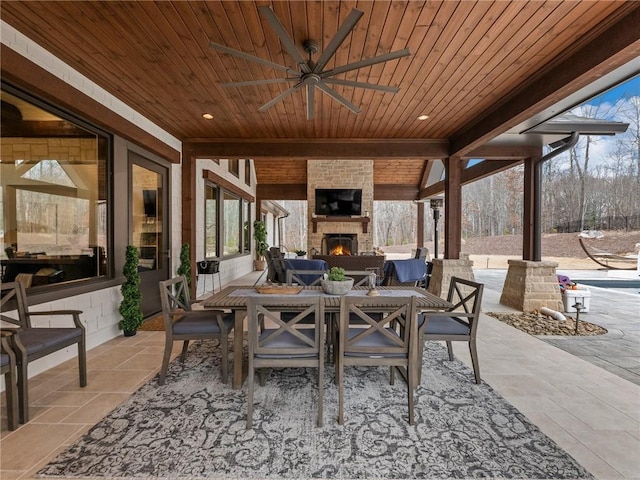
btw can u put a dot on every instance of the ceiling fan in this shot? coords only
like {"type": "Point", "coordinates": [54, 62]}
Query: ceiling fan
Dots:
{"type": "Point", "coordinates": [312, 74]}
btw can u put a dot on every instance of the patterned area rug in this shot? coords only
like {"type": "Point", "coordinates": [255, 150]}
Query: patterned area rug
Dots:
{"type": "Point", "coordinates": [193, 427]}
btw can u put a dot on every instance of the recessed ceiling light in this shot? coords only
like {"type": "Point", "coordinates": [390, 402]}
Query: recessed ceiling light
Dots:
{"type": "Point", "coordinates": [208, 116]}
{"type": "Point", "coordinates": [423, 117]}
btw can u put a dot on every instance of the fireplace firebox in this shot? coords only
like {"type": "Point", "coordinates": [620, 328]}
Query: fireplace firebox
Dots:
{"type": "Point", "coordinates": [340, 244]}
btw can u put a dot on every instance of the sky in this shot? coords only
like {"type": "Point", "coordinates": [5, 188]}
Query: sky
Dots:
{"type": "Point", "coordinates": [621, 103]}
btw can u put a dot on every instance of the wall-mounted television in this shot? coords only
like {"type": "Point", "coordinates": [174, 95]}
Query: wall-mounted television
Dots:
{"type": "Point", "coordinates": [338, 202]}
{"type": "Point", "coordinates": [150, 199]}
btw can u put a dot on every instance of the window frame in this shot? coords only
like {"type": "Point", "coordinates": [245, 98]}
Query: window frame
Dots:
{"type": "Point", "coordinates": [244, 247]}
{"type": "Point", "coordinates": [224, 185]}
{"type": "Point", "coordinates": [106, 145]}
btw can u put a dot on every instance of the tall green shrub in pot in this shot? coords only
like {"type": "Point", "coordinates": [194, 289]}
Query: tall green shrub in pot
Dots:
{"type": "Point", "coordinates": [261, 245]}
{"type": "Point", "coordinates": [131, 295]}
{"type": "Point", "coordinates": [184, 268]}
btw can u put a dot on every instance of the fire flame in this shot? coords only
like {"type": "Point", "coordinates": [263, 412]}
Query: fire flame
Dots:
{"type": "Point", "coordinates": [340, 250]}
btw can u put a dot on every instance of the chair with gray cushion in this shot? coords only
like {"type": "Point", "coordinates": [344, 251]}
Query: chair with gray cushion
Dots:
{"type": "Point", "coordinates": [8, 368]}
{"type": "Point", "coordinates": [285, 342]}
{"type": "Point", "coordinates": [459, 323]}
{"type": "Point", "coordinates": [182, 323]}
{"type": "Point", "coordinates": [30, 343]}
{"type": "Point", "coordinates": [387, 338]}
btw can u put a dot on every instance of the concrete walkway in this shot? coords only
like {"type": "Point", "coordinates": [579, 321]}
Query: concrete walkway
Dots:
{"type": "Point", "coordinates": [616, 309]}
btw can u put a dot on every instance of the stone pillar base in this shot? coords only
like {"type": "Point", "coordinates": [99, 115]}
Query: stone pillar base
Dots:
{"type": "Point", "coordinates": [531, 285]}
{"type": "Point", "coordinates": [444, 269]}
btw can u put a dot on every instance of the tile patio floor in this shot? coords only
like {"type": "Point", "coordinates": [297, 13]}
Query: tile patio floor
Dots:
{"type": "Point", "coordinates": [590, 412]}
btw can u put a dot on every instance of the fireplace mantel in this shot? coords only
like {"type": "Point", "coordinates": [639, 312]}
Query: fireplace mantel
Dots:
{"type": "Point", "coordinates": [363, 220]}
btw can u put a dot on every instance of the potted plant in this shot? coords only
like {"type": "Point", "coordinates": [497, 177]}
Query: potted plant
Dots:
{"type": "Point", "coordinates": [131, 295]}
{"type": "Point", "coordinates": [184, 268]}
{"type": "Point", "coordinates": [300, 252]}
{"type": "Point", "coordinates": [336, 282]}
{"type": "Point", "coordinates": [261, 245]}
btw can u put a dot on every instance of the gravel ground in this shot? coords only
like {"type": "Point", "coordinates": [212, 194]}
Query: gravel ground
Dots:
{"type": "Point", "coordinates": [537, 324]}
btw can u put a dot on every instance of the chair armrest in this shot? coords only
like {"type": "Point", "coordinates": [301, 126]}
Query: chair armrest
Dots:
{"type": "Point", "coordinates": [5, 346]}
{"type": "Point", "coordinates": [74, 313]}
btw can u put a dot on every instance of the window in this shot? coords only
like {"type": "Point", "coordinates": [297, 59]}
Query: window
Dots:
{"type": "Point", "coordinates": [231, 213]}
{"type": "Point", "coordinates": [227, 222]}
{"type": "Point", "coordinates": [234, 167]}
{"type": "Point", "coordinates": [247, 172]}
{"type": "Point", "coordinates": [53, 220]}
{"type": "Point", "coordinates": [210, 221]}
{"type": "Point", "coordinates": [147, 217]}
{"type": "Point", "coordinates": [246, 226]}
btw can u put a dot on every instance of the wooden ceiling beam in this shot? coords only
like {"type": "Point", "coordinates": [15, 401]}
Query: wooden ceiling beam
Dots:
{"type": "Point", "coordinates": [471, 174]}
{"type": "Point", "coordinates": [293, 191]}
{"type": "Point", "coordinates": [319, 148]}
{"type": "Point", "coordinates": [617, 45]}
{"type": "Point", "coordinates": [503, 152]}
{"type": "Point", "coordinates": [395, 192]}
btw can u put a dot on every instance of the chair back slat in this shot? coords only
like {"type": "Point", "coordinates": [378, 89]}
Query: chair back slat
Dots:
{"type": "Point", "coordinates": [466, 296]}
{"type": "Point", "coordinates": [360, 277]}
{"type": "Point", "coordinates": [14, 297]}
{"type": "Point", "coordinates": [269, 308]}
{"type": "Point", "coordinates": [309, 278]}
{"type": "Point", "coordinates": [175, 299]}
{"type": "Point", "coordinates": [392, 318]}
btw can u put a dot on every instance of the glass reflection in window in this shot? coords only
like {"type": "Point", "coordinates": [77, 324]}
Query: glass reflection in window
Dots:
{"type": "Point", "coordinates": [53, 221]}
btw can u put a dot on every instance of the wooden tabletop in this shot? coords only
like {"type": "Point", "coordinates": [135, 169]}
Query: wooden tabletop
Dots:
{"type": "Point", "coordinates": [235, 297]}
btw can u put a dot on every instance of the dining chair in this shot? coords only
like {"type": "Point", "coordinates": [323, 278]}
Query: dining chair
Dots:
{"type": "Point", "coordinates": [284, 343]}
{"type": "Point", "coordinates": [387, 338]}
{"type": "Point", "coordinates": [458, 324]}
{"type": "Point", "coordinates": [31, 342]}
{"type": "Point", "coordinates": [182, 323]}
{"type": "Point", "coordinates": [8, 368]}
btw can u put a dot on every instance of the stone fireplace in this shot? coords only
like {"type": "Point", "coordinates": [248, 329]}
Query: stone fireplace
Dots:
{"type": "Point", "coordinates": [339, 244]}
{"type": "Point", "coordinates": [340, 174]}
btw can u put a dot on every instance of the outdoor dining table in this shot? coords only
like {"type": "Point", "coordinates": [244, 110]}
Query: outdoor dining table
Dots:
{"type": "Point", "coordinates": [235, 298]}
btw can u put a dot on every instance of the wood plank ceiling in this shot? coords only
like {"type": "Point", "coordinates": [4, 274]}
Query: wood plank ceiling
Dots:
{"type": "Point", "coordinates": [467, 58]}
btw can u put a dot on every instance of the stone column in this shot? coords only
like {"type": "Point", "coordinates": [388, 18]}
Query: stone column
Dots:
{"type": "Point", "coordinates": [444, 269]}
{"type": "Point", "coordinates": [531, 285]}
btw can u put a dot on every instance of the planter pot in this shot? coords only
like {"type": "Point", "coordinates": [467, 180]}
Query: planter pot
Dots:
{"type": "Point", "coordinates": [259, 265]}
{"type": "Point", "coordinates": [332, 287]}
{"type": "Point", "coordinates": [129, 333]}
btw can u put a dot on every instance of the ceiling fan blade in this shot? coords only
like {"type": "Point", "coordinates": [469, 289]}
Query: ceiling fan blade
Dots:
{"type": "Point", "coordinates": [344, 30]}
{"type": "Point", "coordinates": [310, 101]}
{"type": "Point", "coordinates": [336, 96]}
{"type": "Point", "coordinates": [371, 86]}
{"type": "Point", "coordinates": [367, 62]}
{"type": "Point", "coordinates": [284, 94]}
{"type": "Point", "coordinates": [277, 27]}
{"type": "Point", "coordinates": [251, 58]}
{"type": "Point", "coordinates": [259, 82]}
